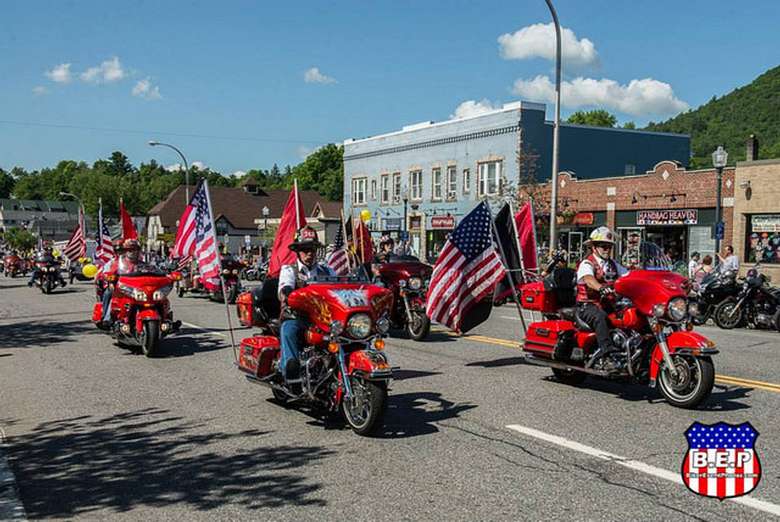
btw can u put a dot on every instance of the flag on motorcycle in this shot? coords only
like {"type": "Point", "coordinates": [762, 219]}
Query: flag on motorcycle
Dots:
{"type": "Point", "coordinates": [128, 227]}
{"type": "Point", "coordinates": [364, 248]}
{"type": "Point", "coordinates": [338, 260]}
{"type": "Point", "coordinates": [506, 237]}
{"type": "Point", "coordinates": [465, 274]}
{"type": "Point", "coordinates": [105, 248]}
{"type": "Point", "coordinates": [77, 244]}
{"type": "Point", "coordinates": [293, 218]}
{"type": "Point", "coordinates": [526, 235]}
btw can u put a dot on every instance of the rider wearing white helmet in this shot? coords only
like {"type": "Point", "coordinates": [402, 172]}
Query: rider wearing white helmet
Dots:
{"type": "Point", "coordinates": [595, 276]}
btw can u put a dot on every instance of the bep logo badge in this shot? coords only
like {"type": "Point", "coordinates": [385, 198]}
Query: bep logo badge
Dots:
{"type": "Point", "coordinates": [721, 461]}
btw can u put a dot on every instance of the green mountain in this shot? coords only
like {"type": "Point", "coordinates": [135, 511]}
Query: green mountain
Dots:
{"type": "Point", "coordinates": [728, 121]}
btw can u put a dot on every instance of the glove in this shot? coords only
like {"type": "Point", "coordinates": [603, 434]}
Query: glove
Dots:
{"type": "Point", "coordinates": [606, 291]}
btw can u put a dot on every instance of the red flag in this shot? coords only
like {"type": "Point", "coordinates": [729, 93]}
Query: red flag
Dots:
{"type": "Point", "coordinates": [526, 234]}
{"type": "Point", "coordinates": [293, 218]}
{"type": "Point", "coordinates": [364, 248]}
{"type": "Point", "coordinates": [128, 228]}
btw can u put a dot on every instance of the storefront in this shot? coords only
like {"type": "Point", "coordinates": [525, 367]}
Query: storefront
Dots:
{"type": "Point", "coordinates": [575, 229]}
{"type": "Point", "coordinates": [762, 244]}
{"type": "Point", "coordinates": [439, 227]}
{"type": "Point", "coordinates": [678, 232]}
{"type": "Point", "coordinates": [392, 227]}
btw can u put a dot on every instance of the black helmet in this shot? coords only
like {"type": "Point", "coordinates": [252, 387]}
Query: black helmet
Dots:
{"type": "Point", "coordinates": [305, 239]}
{"type": "Point", "coordinates": [386, 240]}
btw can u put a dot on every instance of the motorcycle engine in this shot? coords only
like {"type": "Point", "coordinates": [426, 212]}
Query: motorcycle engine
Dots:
{"type": "Point", "coordinates": [315, 370]}
{"type": "Point", "coordinates": [764, 320]}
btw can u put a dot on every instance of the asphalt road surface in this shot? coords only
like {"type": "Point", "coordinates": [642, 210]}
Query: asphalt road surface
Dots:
{"type": "Point", "coordinates": [93, 431]}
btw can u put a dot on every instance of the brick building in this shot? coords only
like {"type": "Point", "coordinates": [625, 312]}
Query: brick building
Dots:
{"type": "Point", "coordinates": [668, 205]}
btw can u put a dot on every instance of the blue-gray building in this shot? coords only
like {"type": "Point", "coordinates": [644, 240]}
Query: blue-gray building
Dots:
{"type": "Point", "coordinates": [425, 177]}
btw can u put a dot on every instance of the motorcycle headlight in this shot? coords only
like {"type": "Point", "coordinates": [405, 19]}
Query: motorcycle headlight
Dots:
{"type": "Point", "coordinates": [383, 325]}
{"type": "Point", "coordinates": [52, 269]}
{"type": "Point", "coordinates": [359, 326]}
{"type": "Point", "coordinates": [161, 293]}
{"type": "Point", "coordinates": [693, 309]}
{"type": "Point", "coordinates": [678, 309]}
{"type": "Point", "coordinates": [415, 283]}
{"type": "Point", "coordinates": [659, 310]}
{"type": "Point", "coordinates": [135, 293]}
{"type": "Point", "coordinates": [225, 271]}
{"type": "Point", "coordinates": [235, 272]}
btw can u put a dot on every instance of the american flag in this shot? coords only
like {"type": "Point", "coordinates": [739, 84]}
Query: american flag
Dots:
{"type": "Point", "coordinates": [196, 236]}
{"type": "Point", "coordinates": [77, 245]}
{"type": "Point", "coordinates": [466, 271]}
{"type": "Point", "coordinates": [338, 260]}
{"type": "Point", "coordinates": [721, 461]}
{"type": "Point", "coordinates": [105, 249]}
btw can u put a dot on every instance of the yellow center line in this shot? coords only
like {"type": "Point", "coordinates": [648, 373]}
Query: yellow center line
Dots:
{"type": "Point", "coordinates": [723, 379]}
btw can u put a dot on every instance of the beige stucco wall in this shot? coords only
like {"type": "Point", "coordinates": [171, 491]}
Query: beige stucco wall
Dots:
{"type": "Point", "coordinates": [762, 197]}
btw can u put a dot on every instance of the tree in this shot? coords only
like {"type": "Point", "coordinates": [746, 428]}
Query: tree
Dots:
{"type": "Point", "coordinates": [629, 125]}
{"type": "Point", "coordinates": [7, 183]}
{"type": "Point", "coordinates": [19, 239]}
{"type": "Point", "coordinates": [323, 171]}
{"type": "Point", "coordinates": [597, 118]}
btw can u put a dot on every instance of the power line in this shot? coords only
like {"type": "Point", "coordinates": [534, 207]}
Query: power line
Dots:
{"type": "Point", "coordinates": [156, 132]}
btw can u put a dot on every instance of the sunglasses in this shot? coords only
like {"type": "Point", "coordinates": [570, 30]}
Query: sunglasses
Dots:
{"type": "Point", "coordinates": [607, 246]}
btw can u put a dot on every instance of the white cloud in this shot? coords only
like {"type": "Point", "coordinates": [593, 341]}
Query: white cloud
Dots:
{"type": "Point", "coordinates": [538, 41]}
{"type": "Point", "coordinates": [146, 90]}
{"type": "Point", "coordinates": [60, 74]}
{"type": "Point", "coordinates": [238, 174]}
{"type": "Point", "coordinates": [474, 108]}
{"type": "Point", "coordinates": [638, 98]}
{"type": "Point", "coordinates": [107, 72]}
{"type": "Point", "coordinates": [176, 167]}
{"type": "Point", "coordinates": [314, 75]}
{"type": "Point", "coordinates": [199, 165]}
{"type": "Point", "coordinates": [39, 90]}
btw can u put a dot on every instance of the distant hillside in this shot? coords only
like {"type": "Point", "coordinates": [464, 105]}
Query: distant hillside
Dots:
{"type": "Point", "coordinates": [728, 121]}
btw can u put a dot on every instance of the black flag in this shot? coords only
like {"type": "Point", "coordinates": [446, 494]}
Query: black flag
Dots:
{"type": "Point", "coordinates": [506, 239]}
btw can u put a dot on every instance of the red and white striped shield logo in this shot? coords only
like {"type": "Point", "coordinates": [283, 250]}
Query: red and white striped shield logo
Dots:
{"type": "Point", "coordinates": [721, 461]}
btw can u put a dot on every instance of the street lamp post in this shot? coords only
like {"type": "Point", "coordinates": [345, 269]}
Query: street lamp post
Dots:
{"type": "Point", "coordinates": [266, 213]}
{"type": "Point", "coordinates": [719, 159]}
{"type": "Point", "coordinates": [186, 168]}
{"type": "Point", "coordinates": [556, 128]}
{"type": "Point", "coordinates": [405, 197]}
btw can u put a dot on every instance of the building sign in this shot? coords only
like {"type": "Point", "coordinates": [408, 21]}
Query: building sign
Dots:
{"type": "Point", "coordinates": [766, 222]}
{"type": "Point", "coordinates": [392, 224]}
{"type": "Point", "coordinates": [583, 218]}
{"type": "Point", "coordinates": [443, 222]}
{"type": "Point", "coordinates": [414, 222]}
{"type": "Point", "coordinates": [688, 216]}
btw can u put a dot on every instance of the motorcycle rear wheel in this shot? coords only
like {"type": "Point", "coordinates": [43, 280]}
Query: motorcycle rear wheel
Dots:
{"type": "Point", "coordinates": [570, 377]}
{"type": "Point", "coordinates": [695, 378]}
{"type": "Point", "coordinates": [420, 326]}
{"type": "Point", "coordinates": [365, 410]}
{"type": "Point", "coordinates": [724, 317]}
{"type": "Point", "coordinates": [150, 338]}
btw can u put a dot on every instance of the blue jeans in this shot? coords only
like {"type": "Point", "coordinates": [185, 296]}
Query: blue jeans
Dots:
{"type": "Point", "coordinates": [291, 334]}
{"type": "Point", "coordinates": [107, 304]}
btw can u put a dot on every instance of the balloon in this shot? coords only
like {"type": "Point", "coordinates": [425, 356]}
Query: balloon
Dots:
{"type": "Point", "coordinates": [365, 215]}
{"type": "Point", "coordinates": [89, 270]}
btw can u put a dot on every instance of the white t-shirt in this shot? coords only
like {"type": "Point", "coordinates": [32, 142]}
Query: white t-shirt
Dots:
{"type": "Point", "coordinates": [731, 263]}
{"type": "Point", "coordinates": [693, 267]}
{"type": "Point", "coordinates": [287, 275]}
{"type": "Point", "coordinates": [586, 269]}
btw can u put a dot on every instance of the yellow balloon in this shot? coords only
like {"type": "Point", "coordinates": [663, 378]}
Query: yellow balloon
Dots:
{"type": "Point", "coordinates": [89, 270]}
{"type": "Point", "coordinates": [365, 215]}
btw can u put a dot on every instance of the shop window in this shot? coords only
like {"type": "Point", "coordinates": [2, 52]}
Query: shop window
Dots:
{"type": "Point", "coordinates": [436, 177]}
{"type": "Point", "coordinates": [385, 188]}
{"type": "Point", "coordinates": [762, 244]}
{"type": "Point", "coordinates": [452, 183]}
{"type": "Point", "coordinates": [373, 190]}
{"type": "Point", "coordinates": [397, 187]}
{"type": "Point", "coordinates": [466, 181]}
{"type": "Point", "coordinates": [415, 184]}
{"type": "Point", "coordinates": [359, 191]}
{"type": "Point", "coordinates": [488, 178]}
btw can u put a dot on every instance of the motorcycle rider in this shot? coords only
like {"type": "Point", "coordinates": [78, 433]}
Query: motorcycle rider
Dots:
{"type": "Point", "coordinates": [386, 245]}
{"type": "Point", "coordinates": [595, 276]}
{"type": "Point", "coordinates": [45, 256]}
{"type": "Point", "coordinates": [129, 253]}
{"type": "Point", "coordinates": [294, 276]}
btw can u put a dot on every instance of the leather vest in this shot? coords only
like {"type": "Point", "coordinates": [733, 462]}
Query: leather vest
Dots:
{"type": "Point", "coordinates": [586, 294]}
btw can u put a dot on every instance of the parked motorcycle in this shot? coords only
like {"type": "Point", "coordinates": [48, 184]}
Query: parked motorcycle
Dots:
{"type": "Point", "coordinates": [408, 278]}
{"type": "Point", "coordinates": [140, 311]}
{"type": "Point", "coordinates": [757, 304]}
{"type": "Point", "coordinates": [14, 265]}
{"type": "Point", "coordinates": [342, 366]}
{"type": "Point", "coordinates": [650, 321]}
{"type": "Point", "coordinates": [48, 276]}
{"type": "Point", "coordinates": [715, 288]}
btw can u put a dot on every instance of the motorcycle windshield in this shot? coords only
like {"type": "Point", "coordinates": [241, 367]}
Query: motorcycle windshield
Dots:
{"type": "Point", "coordinates": [144, 271]}
{"type": "Point", "coordinates": [360, 277]}
{"type": "Point", "coordinates": [653, 258]}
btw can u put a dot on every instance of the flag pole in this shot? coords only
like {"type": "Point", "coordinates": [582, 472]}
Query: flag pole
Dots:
{"type": "Point", "coordinates": [519, 248]}
{"type": "Point", "coordinates": [344, 234]}
{"type": "Point", "coordinates": [221, 277]}
{"type": "Point", "coordinates": [507, 274]}
{"type": "Point", "coordinates": [297, 206]}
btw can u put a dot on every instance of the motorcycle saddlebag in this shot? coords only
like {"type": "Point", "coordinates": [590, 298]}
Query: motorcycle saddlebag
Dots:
{"type": "Point", "coordinates": [257, 354]}
{"type": "Point", "coordinates": [244, 309]}
{"type": "Point", "coordinates": [97, 312]}
{"type": "Point", "coordinates": [543, 337]}
{"type": "Point", "coordinates": [536, 297]}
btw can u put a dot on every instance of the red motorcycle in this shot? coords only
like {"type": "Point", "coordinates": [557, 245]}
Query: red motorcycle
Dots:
{"type": "Point", "coordinates": [140, 311]}
{"type": "Point", "coordinates": [650, 320]}
{"type": "Point", "coordinates": [407, 278]}
{"type": "Point", "coordinates": [14, 265]}
{"type": "Point", "coordinates": [342, 366]}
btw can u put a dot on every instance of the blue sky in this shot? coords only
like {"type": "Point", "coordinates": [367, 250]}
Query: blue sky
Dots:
{"type": "Point", "coordinates": [226, 81]}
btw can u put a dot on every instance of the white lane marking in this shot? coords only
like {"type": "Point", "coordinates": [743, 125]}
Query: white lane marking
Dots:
{"type": "Point", "coordinates": [11, 507]}
{"type": "Point", "coordinates": [202, 329]}
{"type": "Point", "coordinates": [751, 502]}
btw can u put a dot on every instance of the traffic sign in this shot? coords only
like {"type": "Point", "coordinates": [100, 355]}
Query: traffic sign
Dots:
{"type": "Point", "coordinates": [718, 231]}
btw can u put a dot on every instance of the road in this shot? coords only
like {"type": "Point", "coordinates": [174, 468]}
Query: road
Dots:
{"type": "Point", "coordinates": [93, 431]}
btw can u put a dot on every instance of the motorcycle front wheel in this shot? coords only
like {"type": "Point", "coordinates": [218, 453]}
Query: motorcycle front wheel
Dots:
{"type": "Point", "coordinates": [420, 326]}
{"type": "Point", "coordinates": [366, 408]}
{"type": "Point", "coordinates": [726, 316]}
{"type": "Point", "coordinates": [150, 338]}
{"type": "Point", "coordinates": [692, 384]}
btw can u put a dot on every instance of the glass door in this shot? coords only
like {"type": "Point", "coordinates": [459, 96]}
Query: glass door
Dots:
{"type": "Point", "coordinates": [575, 247]}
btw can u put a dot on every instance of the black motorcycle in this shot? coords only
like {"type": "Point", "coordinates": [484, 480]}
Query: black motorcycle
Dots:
{"type": "Point", "coordinates": [48, 276]}
{"type": "Point", "coordinates": [757, 304]}
{"type": "Point", "coordinates": [715, 288]}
